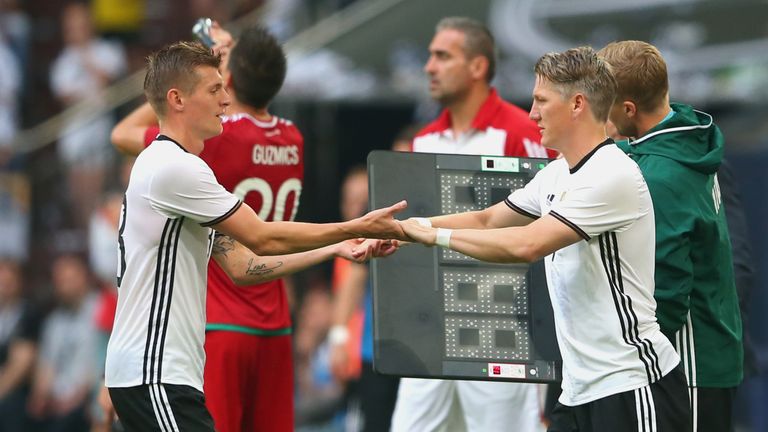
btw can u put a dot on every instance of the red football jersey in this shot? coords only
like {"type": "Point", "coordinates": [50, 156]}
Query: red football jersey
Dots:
{"type": "Point", "coordinates": [499, 128]}
{"type": "Point", "coordinates": [263, 164]}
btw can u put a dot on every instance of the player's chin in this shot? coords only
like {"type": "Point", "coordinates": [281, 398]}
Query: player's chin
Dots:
{"type": "Point", "coordinates": [214, 131]}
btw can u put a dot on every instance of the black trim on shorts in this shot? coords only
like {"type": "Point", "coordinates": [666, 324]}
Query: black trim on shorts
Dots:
{"type": "Point", "coordinates": [659, 407]}
{"type": "Point", "coordinates": [161, 408]}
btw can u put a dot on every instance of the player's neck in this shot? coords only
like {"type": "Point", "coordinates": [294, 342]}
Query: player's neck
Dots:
{"type": "Point", "coordinates": [261, 114]}
{"type": "Point", "coordinates": [182, 136]}
{"type": "Point", "coordinates": [582, 141]}
{"type": "Point", "coordinates": [464, 111]}
{"type": "Point", "coordinates": [648, 120]}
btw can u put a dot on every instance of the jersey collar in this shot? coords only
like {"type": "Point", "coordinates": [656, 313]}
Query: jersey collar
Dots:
{"type": "Point", "coordinates": [162, 137]}
{"type": "Point", "coordinates": [584, 160]}
{"type": "Point", "coordinates": [262, 124]}
{"type": "Point", "coordinates": [488, 111]}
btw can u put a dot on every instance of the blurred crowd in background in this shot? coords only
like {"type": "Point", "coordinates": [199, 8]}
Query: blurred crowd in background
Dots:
{"type": "Point", "coordinates": [60, 198]}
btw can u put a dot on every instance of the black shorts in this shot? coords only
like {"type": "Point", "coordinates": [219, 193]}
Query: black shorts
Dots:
{"type": "Point", "coordinates": [660, 407]}
{"type": "Point", "coordinates": [161, 407]}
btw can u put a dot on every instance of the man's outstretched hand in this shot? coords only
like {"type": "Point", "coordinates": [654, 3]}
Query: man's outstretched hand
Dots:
{"type": "Point", "coordinates": [381, 223]}
{"type": "Point", "coordinates": [375, 248]}
{"type": "Point", "coordinates": [418, 233]}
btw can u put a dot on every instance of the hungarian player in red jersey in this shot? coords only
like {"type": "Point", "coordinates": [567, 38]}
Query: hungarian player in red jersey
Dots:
{"type": "Point", "coordinates": [258, 157]}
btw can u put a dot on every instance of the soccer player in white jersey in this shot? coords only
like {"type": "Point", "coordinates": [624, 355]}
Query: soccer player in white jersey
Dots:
{"type": "Point", "coordinates": [155, 357]}
{"type": "Point", "coordinates": [590, 214]}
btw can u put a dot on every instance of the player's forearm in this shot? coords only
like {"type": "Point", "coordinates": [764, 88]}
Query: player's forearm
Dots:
{"type": "Point", "coordinates": [289, 237]}
{"type": "Point", "coordinates": [496, 216]}
{"type": "Point", "coordinates": [468, 220]}
{"type": "Point", "coordinates": [246, 268]}
{"type": "Point", "coordinates": [278, 238]}
{"type": "Point", "coordinates": [497, 245]}
{"type": "Point", "coordinates": [128, 135]}
{"type": "Point", "coordinates": [506, 245]}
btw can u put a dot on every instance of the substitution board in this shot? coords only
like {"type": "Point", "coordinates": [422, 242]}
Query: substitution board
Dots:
{"type": "Point", "coordinates": [441, 314]}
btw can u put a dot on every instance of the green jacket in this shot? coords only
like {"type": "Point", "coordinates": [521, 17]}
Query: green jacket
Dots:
{"type": "Point", "coordinates": [695, 289]}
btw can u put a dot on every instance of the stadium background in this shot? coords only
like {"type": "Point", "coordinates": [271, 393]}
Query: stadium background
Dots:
{"type": "Point", "coordinates": [355, 80]}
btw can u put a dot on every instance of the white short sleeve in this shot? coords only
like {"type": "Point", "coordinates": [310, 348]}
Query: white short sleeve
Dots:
{"type": "Point", "coordinates": [592, 206]}
{"type": "Point", "coordinates": [527, 201]}
{"type": "Point", "coordinates": [187, 187]}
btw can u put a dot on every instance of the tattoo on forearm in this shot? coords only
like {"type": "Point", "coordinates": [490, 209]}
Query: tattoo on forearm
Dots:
{"type": "Point", "coordinates": [223, 244]}
{"type": "Point", "coordinates": [256, 269]}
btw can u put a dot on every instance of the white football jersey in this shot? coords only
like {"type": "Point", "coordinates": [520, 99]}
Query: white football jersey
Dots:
{"type": "Point", "coordinates": [601, 288]}
{"type": "Point", "coordinates": [164, 247]}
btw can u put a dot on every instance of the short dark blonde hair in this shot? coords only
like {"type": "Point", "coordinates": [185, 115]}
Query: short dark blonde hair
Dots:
{"type": "Point", "coordinates": [640, 71]}
{"type": "Point", "coordinates": [174, 67]}
{"type": "Point", "coordinates": [580, 70]}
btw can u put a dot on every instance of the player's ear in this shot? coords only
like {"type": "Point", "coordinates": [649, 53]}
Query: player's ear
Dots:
{"type": "Point", "coordinates": [478, 67]}
{"type": "Point", "coordinates": [578, 103]}
{"type": "Point", "coordinates": [174, 100]}
{"type": "Point", "coordinates": [629, 108]}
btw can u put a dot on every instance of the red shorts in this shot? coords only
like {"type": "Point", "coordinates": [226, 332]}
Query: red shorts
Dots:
{"type": "Point", "coordinates": [249, 381]}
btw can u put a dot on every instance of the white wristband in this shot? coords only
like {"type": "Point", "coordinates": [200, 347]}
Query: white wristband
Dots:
{"type": "Point", "coordinates": [443, 237]}
{"type": "Point", "coordinates": [338, 335]}
{"type": "Point", "coordinates": [423, 222]}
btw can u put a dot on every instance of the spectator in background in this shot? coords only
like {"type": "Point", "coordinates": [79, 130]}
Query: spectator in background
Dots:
{"type": "Point", "coordinates": [375, 393]}
{"type": "Point", "coordinates": [475, 120]}
{"type": "Point", "coordinates": [15, 201]}
{"type": "Point", "coordinates": [19, 332]}
{"type": "Point", "coordinates": [14, 186]}
{"type": "Point", "coordinates": [102, 237]}
{"type": "Point", "coordinates": [10, 84]}
{"type": "Point", "coordinates": [67, 367]}
{"type": "Point", "coordinates": [404, 138]}
{"type": "Point", "coordinates": [15, 26]}
{"type": "Point", "coordinates": [318, 396]}
{"type": "Point", "coordinates": [82, 70]}
{"type": "Point", "coordinates": [348, 314]}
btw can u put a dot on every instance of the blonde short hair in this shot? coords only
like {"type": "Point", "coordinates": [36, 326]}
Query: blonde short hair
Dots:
{"type": "Point", "coordinates": [580, 70]}
{"type": "Point", "coordinates": [174, 67]}
{"type": "Point", "coordinates": [640, 72]}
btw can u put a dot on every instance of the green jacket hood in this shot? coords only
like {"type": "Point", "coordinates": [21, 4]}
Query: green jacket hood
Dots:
{"type": "Point", "coordinates": [689, 137]}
